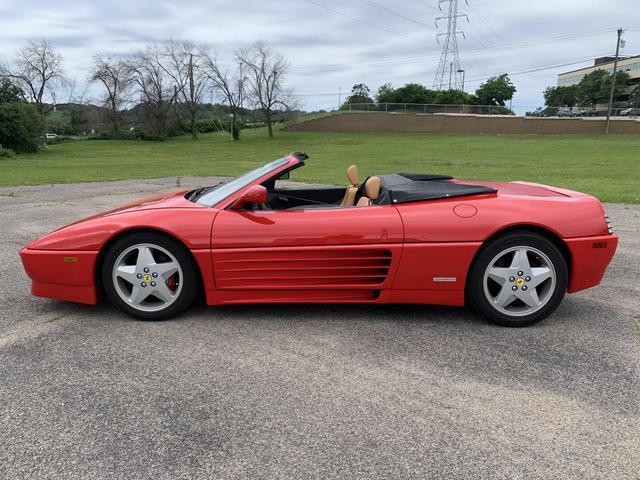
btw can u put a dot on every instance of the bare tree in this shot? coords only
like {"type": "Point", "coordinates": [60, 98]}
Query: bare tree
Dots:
{"type": "Point", "coordinates": [115, 76]}
{"type": "Point", "coordinates": [38, 70]}
{"type": "Point", "coordinates": [229, 86]}
{"type": "Point", "coordinates": [183, 64]}
{"type": "Point", "coordinates": [266, 70]}
{"type": "Point", "coordinates": [158, 93]}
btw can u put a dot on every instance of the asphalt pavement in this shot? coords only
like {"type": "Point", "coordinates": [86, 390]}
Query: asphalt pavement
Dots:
{"type": "Point", "coordinates": [310, 391]}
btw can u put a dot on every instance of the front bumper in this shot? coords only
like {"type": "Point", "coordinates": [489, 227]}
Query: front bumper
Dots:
{"type": "Point", "coordinates": [590, 257]}
{"type": "Point", "coordinates": [62, 275]}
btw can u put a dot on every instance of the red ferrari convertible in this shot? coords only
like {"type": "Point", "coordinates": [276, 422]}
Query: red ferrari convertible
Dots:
{"type": "Point", "coordinates": [510, 250]}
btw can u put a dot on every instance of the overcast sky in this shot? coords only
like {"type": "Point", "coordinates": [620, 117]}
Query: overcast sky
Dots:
{"type": "Point", "coordinates": [334, 44]}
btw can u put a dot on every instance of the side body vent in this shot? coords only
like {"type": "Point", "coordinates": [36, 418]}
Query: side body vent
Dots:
{"type": "Point", "coordinates": [290, 268]}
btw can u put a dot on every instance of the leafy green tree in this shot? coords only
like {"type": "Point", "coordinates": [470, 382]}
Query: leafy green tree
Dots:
{"type": "Point", "coordinates": [589, 88]}
{"type": "Point", "coordinates": [634, 97]}
{"type": "Point", "coordinates": [20, 127]}
{"type": "Point", "coordinates": [453, 97]}
{"type": "Point", "coordinates": [360, 93]}
{"type": "Point", "coordinates": [622, 81]}
{"type": "Point", "coordinates": [58, 122]}
{"type": "Point", "coordinates": [595, 87]}
{"type": "Point", "coordinates": [496, 91]}
{"type": "Point", "coordinates": [386, 94]}
{"type": "Point", "coordinates": [414, 93]}
{"type": "Point", "coordinates": [10, 93]}
{"type": "Point", "coordinates": [560, 96]}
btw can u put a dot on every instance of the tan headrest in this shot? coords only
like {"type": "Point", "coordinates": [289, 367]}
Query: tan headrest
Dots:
{"type": "Point", "coordinates": [372, 188]}
{"type": "Point", "coordinates": [352, 175]}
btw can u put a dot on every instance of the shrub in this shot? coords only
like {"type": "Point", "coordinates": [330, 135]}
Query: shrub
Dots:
{"type": "Point", "coordinates": [6, 152]}
{"type": "Point", "coordinates": [207, 125]}
{"type": "Point", "coordinates": [20, 127]}
{"type": "Point", "coordinates": [237, 126]}
{"type": "Point", "coordinates": [58, 123]}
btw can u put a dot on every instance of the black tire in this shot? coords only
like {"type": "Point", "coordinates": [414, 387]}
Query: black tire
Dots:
{"type": "Point", "coordinates": [476, 288]}
{"type": "Point", "coordinates": [189, 277]}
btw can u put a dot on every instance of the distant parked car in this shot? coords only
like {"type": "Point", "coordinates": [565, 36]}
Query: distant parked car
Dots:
{"type": "Point", "coordinates": [51, 136]}
{"type": "Point", "coordinates": [630, 112]}
{"type": "Point", "coordinates": [566, 113]}
{"type": "Point", "coordinates": [543, 112]}
{"type": "Point", "coordinates": [589, 112]}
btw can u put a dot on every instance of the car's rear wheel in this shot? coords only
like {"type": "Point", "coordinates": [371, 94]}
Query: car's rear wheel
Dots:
{"type": "Point", "coordinates": [518, 279]}
{"type": "Point", "coordinates": [149, 276]}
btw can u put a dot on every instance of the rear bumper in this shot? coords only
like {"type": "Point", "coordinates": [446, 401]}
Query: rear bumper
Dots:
{"type": "Point", "coordinates": [590, 257]}
{"type": "Point", "coordinates": [62, 275]}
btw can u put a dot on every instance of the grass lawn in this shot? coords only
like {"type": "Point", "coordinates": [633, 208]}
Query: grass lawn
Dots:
{"type": "Point", "coordinates": [605, 166]}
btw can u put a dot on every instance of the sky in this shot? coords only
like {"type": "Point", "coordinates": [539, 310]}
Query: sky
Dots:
{"type": "Point", "coordinates": [333, 44]}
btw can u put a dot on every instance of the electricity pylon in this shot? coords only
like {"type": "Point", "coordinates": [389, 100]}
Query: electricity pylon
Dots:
{"type": "Point", "coordinates": [448, 75]}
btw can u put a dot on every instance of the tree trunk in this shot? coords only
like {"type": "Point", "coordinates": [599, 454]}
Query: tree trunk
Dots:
{"type": "Point", "coordinates": [235, 133]}
{"type": "Point", "coordinates": [192, 97]}
{"type": "Point", "coordinates": [194, 131]}
{"type": "Point", "coordinates": [267, 114]}
{"type": "Point", "coordinates": [114, 123]}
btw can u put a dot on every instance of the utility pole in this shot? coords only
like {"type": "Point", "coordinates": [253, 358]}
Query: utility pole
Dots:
{"type": "Point", "coordinates": [613, 81]}
{"type": "Point", "coordinates": [449, 58]}
{"type": "Point", "coordinates": [339, 97]}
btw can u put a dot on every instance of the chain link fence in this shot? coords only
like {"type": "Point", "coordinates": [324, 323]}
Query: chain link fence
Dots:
{"type": "Point", "coordinates": [427, 108]}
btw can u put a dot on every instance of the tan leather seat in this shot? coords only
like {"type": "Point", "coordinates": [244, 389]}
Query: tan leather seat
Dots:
{"type": "Point", "coordinates": [350, 194]}
{"type": "Point", "coordinates": [372, 192]}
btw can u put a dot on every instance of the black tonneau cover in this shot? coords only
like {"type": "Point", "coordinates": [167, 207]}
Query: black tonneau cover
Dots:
{"type": "Point", "coordinates": [414, 187]}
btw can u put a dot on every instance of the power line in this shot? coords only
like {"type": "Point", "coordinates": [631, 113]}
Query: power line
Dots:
{"type": "Point", "coordinates": [532, 69]}
{"type": "Point", "coordinates": [365, 22]}
{"type": "Point", "coordinates": [394, 12]}
{"type": "Point", "coordinates": [428, 5]}
{"type": "Point", "coordinates": [497, 35]}
{"type": "Point", "coordinates": [540, 69]}
{"type": "Point", "coordinates": [535, 69]}
{"type": "Point", "coordinates": [314, 69]}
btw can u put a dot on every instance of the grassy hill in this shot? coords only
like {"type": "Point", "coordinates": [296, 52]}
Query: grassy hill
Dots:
{"type": "Point", "coordinates": [605, 166]}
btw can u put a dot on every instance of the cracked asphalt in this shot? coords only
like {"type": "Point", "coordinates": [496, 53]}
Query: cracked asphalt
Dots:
{"type": "Point", "coordinates": [302, 391]}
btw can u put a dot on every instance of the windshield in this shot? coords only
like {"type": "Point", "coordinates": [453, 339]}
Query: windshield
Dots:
{"type": "Point", "coordinates": [221, 191]}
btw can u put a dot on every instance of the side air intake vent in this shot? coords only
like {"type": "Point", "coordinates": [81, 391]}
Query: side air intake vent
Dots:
{"type": "Point", "coordinates": [287, 269]}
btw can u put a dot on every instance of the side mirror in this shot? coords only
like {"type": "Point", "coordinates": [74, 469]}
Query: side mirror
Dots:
{"type": "Point", "coordinates": [255, 194]}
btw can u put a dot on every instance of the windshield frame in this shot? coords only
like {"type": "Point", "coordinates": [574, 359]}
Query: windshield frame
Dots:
{"type": "Point", "coordinates": [231, 190]}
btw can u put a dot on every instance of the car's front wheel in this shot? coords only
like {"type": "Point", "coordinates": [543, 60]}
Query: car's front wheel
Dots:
{"type": "Point", "coordinates": [518, 279]}
{"type": "Point", "coordinates": [149, 276]}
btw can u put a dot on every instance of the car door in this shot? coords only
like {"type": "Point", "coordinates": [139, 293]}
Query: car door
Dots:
{"type": "Point", "coordinates": [317, 254]}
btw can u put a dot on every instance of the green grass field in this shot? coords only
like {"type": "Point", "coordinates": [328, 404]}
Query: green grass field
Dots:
{"type": "Point", "coordinates": [605, 166]}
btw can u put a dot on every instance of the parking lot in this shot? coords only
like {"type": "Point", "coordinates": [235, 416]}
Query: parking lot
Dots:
{"type": "Point", "coordinates": [310, 391]}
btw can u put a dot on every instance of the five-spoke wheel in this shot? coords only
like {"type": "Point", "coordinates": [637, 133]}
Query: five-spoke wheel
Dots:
{"type": "Point", "coordinates": [518, 279]}
{"type": "Point", "coordinates": [149, 276]}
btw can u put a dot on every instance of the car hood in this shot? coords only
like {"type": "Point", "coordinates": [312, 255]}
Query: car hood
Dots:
{"type": "Point", "coordinates": [162, 200]}
{"type": "Point", "coordinates": [159, 201]}
{"type": "Point", "coordinates": [90, 232]}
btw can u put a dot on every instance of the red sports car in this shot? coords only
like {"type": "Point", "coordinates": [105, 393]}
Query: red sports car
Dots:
{"type": "Point", "coordinates": [510, 250]}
